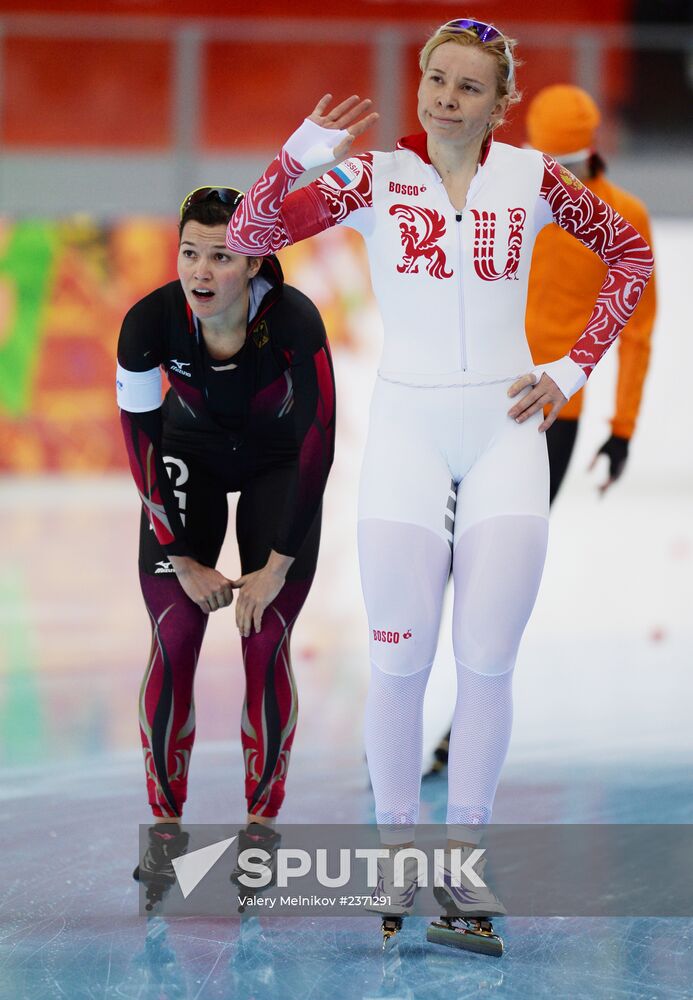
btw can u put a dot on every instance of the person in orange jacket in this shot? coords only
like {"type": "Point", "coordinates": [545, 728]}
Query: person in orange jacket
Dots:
{"type": "Point", "coordinates": [564, 281]}
{"type": "Point", "coordinates": [565, 278]}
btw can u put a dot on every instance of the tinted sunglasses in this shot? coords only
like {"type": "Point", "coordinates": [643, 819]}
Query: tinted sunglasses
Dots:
{"type": "Point", "coordinates": [227, 196]}
{"type": "Point", "coordinates": [485, 33]}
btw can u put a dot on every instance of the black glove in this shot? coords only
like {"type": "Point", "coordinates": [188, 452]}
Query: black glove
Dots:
{"type": "Point", "coordinates": [616, 450]}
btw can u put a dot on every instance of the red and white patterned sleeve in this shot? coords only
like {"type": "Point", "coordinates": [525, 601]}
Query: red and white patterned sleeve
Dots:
{"type": "Point", "coordinates": [269, 217]}
{"type": "Point", "coordinates": [626, 254]}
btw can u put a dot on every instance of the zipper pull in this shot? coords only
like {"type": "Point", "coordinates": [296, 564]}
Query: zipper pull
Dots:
{"type": "Point", "coordinates": [458, 216]}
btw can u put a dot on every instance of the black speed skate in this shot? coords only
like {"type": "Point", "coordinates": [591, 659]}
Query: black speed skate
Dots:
{"type": "Point", "coordinates": [155, 871]}
{"type": "Point", "coordinates": [389, 927]}
{"type": "Point", "coordinates": [260, 837]}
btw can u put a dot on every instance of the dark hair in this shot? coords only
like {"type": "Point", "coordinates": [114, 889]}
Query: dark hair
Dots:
{"type": "Point", "coordinates": [210, 212]}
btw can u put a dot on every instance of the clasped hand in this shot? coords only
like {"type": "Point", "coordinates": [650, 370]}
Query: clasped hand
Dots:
{"type": "Point", "coordinates": [211, 590]}
{"type": "Point", "coordinates": [255, 592]}
{"type": "Point", "coordinates": [207, 587]}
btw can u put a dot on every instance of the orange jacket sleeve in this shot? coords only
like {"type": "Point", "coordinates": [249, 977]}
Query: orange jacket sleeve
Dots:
{"type": "Point", "coordinates": [634, 342]}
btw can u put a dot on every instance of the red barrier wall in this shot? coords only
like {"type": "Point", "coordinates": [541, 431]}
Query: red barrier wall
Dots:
{"type": "Point", "coordinates": [108, 93]}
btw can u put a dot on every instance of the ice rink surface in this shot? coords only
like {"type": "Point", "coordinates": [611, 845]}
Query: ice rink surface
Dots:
{"type": "Point", "coordinates": [602, 733]}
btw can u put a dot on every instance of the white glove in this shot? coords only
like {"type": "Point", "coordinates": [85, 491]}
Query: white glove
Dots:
{"type": "Point", "coordinates": [312, 145]}
{"type": "Point", "coordinates": [566, 373]}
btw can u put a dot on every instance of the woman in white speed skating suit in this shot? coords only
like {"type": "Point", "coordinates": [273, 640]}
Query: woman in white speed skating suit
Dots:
{"type": "Point", "coordinates": [455, 475]}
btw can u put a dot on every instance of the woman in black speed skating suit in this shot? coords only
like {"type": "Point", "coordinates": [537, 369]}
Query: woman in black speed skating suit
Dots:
{"type": "Point", "coordinates": [250, 409]}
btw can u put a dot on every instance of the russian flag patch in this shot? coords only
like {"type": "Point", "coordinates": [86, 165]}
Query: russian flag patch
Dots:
{"type": "Point", "coordinates": [346, 175]}
{"type": "Point", "coordinates": [341, 177]}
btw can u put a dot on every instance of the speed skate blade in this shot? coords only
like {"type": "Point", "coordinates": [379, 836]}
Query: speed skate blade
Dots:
{"type": "Point", "coordinates": [466, 939]}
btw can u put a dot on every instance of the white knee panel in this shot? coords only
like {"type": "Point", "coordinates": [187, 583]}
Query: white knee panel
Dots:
{"type": "Point", "coordinates": [497, 567]}
{"type": "Point", "coordinates": [404, 569]}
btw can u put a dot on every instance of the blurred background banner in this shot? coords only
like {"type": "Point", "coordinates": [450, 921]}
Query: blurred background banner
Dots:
{"type": "Point", "coordinates": [159, 94]}
{"type": "Point", "coordinates": [64, 289]}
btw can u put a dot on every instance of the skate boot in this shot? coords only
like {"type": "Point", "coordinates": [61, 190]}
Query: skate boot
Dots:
{"type": "Point", "coordinates": [467, 912]}
{"type": "Point", "coordinates": [440, 757]}
{"type": "Point", "coordinates": [394, 902]}
{"type": "Point", "coordinates": [263, 837]}
{"type": "Point", "coordinates": [166, 842]}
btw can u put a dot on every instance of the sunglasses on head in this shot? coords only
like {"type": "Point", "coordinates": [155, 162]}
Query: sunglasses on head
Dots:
{"type": "Point", "coordinates": [227, 196]}
{"type": "Point", "coordinates": [485, 33]}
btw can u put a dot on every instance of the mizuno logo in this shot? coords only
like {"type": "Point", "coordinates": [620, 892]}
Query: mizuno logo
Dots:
{"type": "Point", "coordinates": [164, 567]}
{"type": "Point", "coordinates": [180, 366]}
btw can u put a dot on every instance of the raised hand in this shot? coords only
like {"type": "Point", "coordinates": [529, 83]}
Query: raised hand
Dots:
{"type": "Point", "coordinates": [350, 115]}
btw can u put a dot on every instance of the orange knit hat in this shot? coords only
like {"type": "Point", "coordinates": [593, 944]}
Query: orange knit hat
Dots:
{"type": "Point", "coordinates": [562, 119]}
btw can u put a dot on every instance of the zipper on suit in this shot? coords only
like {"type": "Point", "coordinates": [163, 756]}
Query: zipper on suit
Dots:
{"type": "Point", "coordinates": [460, 293]}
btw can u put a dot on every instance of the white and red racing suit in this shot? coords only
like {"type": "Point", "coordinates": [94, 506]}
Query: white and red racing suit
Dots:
{"type": "Point", "coordinates": [448, 479]}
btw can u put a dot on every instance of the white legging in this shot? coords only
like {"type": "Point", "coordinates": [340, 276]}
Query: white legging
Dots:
{"type": "Point", "coordinates": [449, 483]}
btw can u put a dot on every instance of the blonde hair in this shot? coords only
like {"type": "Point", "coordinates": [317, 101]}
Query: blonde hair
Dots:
{"type": "Point", "coordinates": [502, 49]}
